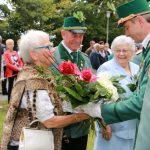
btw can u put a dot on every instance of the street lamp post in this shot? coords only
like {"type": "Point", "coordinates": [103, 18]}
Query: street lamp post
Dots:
{"type": "Point", "coordinates": [107, 31]}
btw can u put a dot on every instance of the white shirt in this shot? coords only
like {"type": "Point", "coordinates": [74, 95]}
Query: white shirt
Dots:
{"type": "Point", "coordinates": [44, 107]}
{"type": "Point", "coordinates": [69, 50]}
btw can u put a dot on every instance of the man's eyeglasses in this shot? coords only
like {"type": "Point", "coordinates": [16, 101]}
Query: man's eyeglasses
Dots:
{"type": "Point", "coordinates": [49, 47]}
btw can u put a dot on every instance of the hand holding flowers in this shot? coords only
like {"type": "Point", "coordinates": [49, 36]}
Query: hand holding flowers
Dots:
{"type": "Point", "coordinates": [92, 109]}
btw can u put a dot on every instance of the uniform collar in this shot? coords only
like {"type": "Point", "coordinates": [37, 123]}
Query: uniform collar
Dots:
{"type": "Point", "coordinates": [69, 50]}
{"type": "Point", "coordinates": [146, 41]}
{"type": "Point", "coordinates": [146, 46]}
{"type": "Point", "coordinates": [64, 55]}
{"type": "Point", "coordinates": [139, 51]}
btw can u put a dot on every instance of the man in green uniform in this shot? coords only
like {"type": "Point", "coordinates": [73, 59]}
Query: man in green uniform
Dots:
{"type": "Point", "coordinates": [69, 49]}
{"type": "Point", "coordinates": [143, 136]}
{"type": "Point", "coordinates": [135, 18]}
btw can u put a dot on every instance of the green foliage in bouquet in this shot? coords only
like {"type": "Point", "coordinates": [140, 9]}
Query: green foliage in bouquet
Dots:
{"type": "Point", "coordinates": [42, 72]}
{"type": "Point", "coordinates": [132, 86]}
{"type": "Point", "coordinates": [115, 80]}
{"type": "Point", "coordinates": [80, 92]}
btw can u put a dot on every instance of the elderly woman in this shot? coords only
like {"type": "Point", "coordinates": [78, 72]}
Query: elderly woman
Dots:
{"type": "Point", "coordinates": [119, 135]}
{"type": "Point", "coordinates": [33, 89]}
{"type": "Point", "coordinates": [13, 64]}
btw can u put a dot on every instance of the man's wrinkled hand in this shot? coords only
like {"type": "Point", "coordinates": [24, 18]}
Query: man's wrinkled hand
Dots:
{"type": "Point", "coordinates": [106, 133]}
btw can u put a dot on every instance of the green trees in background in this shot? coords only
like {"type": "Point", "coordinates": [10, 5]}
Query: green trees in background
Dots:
{"type": "Point", "coordinates": [48, 15]}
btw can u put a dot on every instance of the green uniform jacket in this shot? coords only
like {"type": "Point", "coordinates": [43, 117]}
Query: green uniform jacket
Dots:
{"type": "Point", "coordinates": [143, 136]}
{"type": "Point", "coordinates": [61, 54]}
{"type": "Point", "coordinates": [137, 58]}
{"type": "Point", "coordinates": [130, 108]}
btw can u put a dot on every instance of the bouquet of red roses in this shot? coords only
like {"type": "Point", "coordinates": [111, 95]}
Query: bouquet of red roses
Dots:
{"type": "Point", "coordinates": [75, 86]}
{"type": "Point", "coordinates": [81, 87]}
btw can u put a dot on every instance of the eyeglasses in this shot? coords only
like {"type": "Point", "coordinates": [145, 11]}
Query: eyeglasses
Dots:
{"type": "Point", "coordinates": [123, 51]}
{"type": "Point", "coordinates": [49, 47]}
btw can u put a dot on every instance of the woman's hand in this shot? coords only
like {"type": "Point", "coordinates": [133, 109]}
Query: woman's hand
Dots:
{"type": "Point", "coordinates": [48, 56]}
{"type": "Point", "coordinates": [106, 133]}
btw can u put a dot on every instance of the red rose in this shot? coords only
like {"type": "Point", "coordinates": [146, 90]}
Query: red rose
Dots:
{"type": "Point", "coordinates": [66, 68]}
{"type": "Point", "coordinates": [86, 74]}
{"type": "Point", "coordinates": [76, 70]}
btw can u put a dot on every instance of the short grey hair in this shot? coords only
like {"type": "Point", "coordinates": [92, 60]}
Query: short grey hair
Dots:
{"type": "Point", "coordinates": [96, 45]}
{"type": "Point", "coordinates": [123, 39]}
{"type": "Point", "coordinates": [28, 42]}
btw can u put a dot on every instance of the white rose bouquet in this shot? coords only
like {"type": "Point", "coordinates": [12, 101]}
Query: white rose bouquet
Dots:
{"type": "Point", "coordinates": [111, 83]}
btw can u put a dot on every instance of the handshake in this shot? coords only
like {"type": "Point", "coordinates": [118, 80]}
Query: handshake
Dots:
{"type": "Point", "coordinates": [92, 109]}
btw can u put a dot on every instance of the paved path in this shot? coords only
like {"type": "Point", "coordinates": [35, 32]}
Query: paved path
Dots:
{"type": "Point", "coordinates": [3, 97]}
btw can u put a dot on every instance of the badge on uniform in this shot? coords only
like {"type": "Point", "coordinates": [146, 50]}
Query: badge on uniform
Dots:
{"type": "Point", "coordinates": [148, 45]}
{"type": "Point", "coordinates": [149, 72]}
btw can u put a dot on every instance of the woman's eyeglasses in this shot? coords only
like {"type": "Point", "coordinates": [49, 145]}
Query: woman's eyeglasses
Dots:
{"type": "Point", "coordinates": [123, 51]}
{"type": "Point", "coordinates": [49, 47]}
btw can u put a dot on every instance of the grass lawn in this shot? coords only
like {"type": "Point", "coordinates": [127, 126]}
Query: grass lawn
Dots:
{"type": "Point", "coordinates": [3, 112]}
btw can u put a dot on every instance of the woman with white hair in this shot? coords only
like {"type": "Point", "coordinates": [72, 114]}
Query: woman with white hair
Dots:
{"type": "Point", "coordinates": [119, 135]}
{"type": "Point", "coordinates": [33, 90]}
{"type": "Point", "coordinates": [13, 64]}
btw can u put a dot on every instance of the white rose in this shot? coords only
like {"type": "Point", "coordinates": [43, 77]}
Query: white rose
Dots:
{"type": "Point", "coordinates": [115, 95]}
{"type": "Point", "coordinates": [104, 76]}
{"type": "Point", "coordinates": [110, 88]}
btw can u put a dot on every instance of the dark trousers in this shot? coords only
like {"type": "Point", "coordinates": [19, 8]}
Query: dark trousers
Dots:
{"type": "Point", "coordinates": [10, 86]}
{"type": "Point", "coordinates": [75, 143]}
{"type": "Point", "coordinates": [12, 147]}
{"type": "Point", "coordinates": [4, 84]}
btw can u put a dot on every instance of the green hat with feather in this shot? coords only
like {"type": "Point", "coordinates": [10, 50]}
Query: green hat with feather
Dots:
{"type": "Point", "coordinates": [75, 23]}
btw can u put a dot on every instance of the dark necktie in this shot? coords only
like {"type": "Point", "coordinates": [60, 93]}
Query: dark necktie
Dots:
{"type": "Point", "coordinates": [75, 57]}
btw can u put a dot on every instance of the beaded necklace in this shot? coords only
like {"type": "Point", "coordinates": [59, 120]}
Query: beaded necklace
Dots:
{"type": "Point", "coordinates": [31, 108]}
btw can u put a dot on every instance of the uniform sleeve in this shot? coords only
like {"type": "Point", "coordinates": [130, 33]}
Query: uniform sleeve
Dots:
{"type": "Point", "coordinates": [143, 130]}
{"type": "Point", "coordinates": [44, 107]}
{"type": "Point", "coordinates": [127, 109]}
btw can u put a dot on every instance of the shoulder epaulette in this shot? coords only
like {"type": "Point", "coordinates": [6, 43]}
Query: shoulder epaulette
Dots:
{"type": "Point", "coordinates": [138, 52]}
{"type": "Point", "coordinates": [84, 54]}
